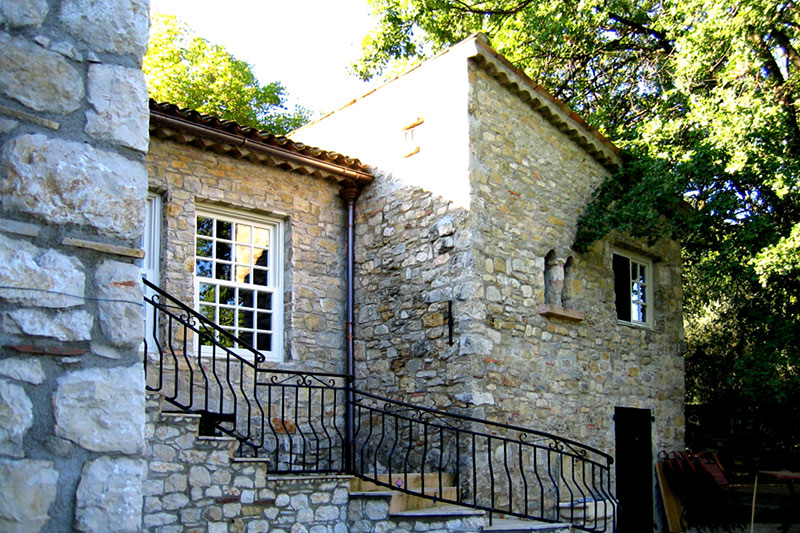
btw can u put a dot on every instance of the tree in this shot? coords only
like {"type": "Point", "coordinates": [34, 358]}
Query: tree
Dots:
{"type": "Point", "coordinates": [184, 69]}
{"type": "Point", "coordinates": [702, 96]}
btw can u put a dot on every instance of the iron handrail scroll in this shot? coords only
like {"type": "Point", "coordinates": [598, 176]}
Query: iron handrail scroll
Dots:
{"type": "Point", "coordinates": [296, 421]}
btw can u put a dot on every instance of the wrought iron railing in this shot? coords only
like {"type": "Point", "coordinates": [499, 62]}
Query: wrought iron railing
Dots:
{"type": "Point", "coordinates": [503, 469]}
{"type": "Point", "coordinates": [294, 420]}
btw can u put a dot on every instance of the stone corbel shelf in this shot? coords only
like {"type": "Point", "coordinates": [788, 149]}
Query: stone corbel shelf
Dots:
{"type": "Point", "coordinates": [556, 311]}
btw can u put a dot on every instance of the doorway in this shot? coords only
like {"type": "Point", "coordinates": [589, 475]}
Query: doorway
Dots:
{"type": "Point", "coordinates": [634, 471]}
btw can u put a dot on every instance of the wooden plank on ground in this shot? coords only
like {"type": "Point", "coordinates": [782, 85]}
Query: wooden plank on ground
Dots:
{"type": "Point", "coordinates": [672, 505]}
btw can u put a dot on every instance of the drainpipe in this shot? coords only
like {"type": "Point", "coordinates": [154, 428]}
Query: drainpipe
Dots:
{"type": "Point", "coordinates": [349, 195]}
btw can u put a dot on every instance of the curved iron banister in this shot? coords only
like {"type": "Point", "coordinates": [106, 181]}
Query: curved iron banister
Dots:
{"type": "Point", "coordinates": [297, 421]}
{"type": "Point", "coordinates": [498, 425]}
{"type": "Point", "coordinates": [258, 357]}
{"type": "Point", "coordinates": [464, 460]}
{"type": "Point", "coordinates": [290, 418]}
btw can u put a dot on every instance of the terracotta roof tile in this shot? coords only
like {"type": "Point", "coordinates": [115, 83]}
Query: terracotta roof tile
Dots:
{"type": "Point", "coordinates": [185, 125]}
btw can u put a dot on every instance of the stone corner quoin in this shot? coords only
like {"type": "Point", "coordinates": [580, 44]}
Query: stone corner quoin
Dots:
{"type": "Point", "coordinates": [73, 183]}
{"type": "Point", "coordinates": [102, 409]}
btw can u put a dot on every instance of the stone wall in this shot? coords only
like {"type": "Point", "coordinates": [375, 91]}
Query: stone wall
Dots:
{"type": "Point", "coordinates": [313, 214]}
{"type": "Point", "coordinates": [413, 257]}
{"type": "Point", "coordinates": [194, 486]}
{"type": "Point", "coordinates": [73, 132]}
{"type": "Point", "coordinates": [562, 372]}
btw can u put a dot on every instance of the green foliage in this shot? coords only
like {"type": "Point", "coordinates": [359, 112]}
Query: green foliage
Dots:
{"type": "Point", "coordinates": [702, 96]}
{"type": "Point", "coordinates": [184, 69]}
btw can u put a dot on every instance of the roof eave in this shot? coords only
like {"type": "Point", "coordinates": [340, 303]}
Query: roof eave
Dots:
{"type": "Point", "coordinates": [178, 128]}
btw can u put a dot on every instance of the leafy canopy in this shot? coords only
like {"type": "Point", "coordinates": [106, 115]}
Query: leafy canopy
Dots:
{"type": "Point", "coordinates": [184, 69]}
{"type": "Point", "coordinates": [702, 95]}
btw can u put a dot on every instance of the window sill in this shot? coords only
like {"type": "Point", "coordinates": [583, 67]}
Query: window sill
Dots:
{"type": "Point", "coordinates": [636, 325]}
{"type": "Point", "coordinates": [556, 311]}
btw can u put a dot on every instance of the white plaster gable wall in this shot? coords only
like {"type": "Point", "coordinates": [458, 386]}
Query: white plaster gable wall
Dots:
{"type": "Point", "coordinates": [372, 127]}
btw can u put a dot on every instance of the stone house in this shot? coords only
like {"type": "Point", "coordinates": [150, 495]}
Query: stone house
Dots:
{"type": "Point", "coordinates": [480, 176]}
{"type": "Point", "coordinates": [467, 294]}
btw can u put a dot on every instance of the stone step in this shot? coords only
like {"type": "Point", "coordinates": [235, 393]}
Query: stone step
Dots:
{"type": "Point", "coordinates": [500, 525]}
{"type": "Point", "coordinates": [409, 502]}
{"type": "Point", "coordinates": [442, 511]}
{"type": "Point", "coordinates": [410, 480]}
{"type": "Point", "coordinates": [591, 509]}
{"type": "Point", "coordinates": [402, 501]}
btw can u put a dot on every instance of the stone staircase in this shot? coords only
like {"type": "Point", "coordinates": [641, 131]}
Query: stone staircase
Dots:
{"type": "Point", "coordinates": [376, 508]}
{"type": "Point", "coordinates": [196, 484]}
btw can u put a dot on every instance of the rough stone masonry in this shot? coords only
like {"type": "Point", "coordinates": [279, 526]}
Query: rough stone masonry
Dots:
{"type": "Point", "coordinates": [73, 137]}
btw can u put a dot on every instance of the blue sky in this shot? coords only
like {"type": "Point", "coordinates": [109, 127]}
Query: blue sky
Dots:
{"type": "Point", "coordinates": [305, 44]}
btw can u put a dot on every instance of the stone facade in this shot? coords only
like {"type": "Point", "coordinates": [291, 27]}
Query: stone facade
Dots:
{"type": "Point", "coordinates": [72, 190]}
{"type": "Point", "coordinates": [313, 246]}
{"type": "Point", "coordinates": [469, 295]}
{"type": "Point", "coordinates": [535, 340]}
{"type": "Point", "coordinates": [529, 184]}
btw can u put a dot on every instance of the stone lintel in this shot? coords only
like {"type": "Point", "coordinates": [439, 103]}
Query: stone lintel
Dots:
{"type": "Point", "coordinates": [59, 351]}
{"type": "Point", "coordinates": [19, 228]}
{"type": "Point", "coordinates": [556, 311]}
{"type": "Point", "coordinates": [136, 253]}
{"type": "Point", "coordinates": [29, 117]}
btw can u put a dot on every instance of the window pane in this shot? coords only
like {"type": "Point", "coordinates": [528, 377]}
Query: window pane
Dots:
{"type": "Point", "coordinates": [205, 338]}
{"type": "Point", "coordinates": [207, 293]}
{"type": "Point", "coordinates": [243, 233]}
{"type": "Point", "coordinates": [222, 271]}
{"type": "Point", "coordinates": [245, 319]}
{"type": "Point", "coordinates": [261, 237]}
{"type": "Point", "coordinates": [224, 251]}
{"type": "Point", "coordinates": [203, 269]}
{"type": "Point", "coordinates": [203, 247]}
{"type": "Point", "coordinates": [245, 298]}
{"type": "Point", "coordinates": [261, 257]}
{"type": "Point", "coordinates": [264, 342]}
{"type": "Point", "coordinates": [264, 321]}
{"type": "Point", "coordinates": [225, 317]}
{"type": "Point", "coordinates": [227, 296]}
{"type": "Point", "coordinates": [208, 312]}
{"type": "Point", "coordinates": [247, 337]}
{"type": "Point", "coordinates": [264, 300]}
{"type": "Point", "coordinates": [205, 226]}
{"type": "Point", "coordinates": [225, 341]}
{"type": "Point", "coordinates": [243, 254]}
{"type": "Point", "coordinates": [224, 229]}
{"type": "Point", "coordinates": [260, 276]}
{"type": "Point", "coordinates": [622, 286]}
{"type": "Point", "coordinates": [243, 274]}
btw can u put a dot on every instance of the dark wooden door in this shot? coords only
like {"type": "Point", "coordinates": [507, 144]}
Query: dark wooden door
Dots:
{"type": "Point", "coordinates": [633, 433]}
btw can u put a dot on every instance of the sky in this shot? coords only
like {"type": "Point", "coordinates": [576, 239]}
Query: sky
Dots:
{"type": "Point", "coordinates": [307, 45]}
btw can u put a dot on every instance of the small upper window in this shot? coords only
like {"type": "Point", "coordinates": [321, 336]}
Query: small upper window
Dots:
{"type": "Point", "coordinates": [411, 137]}
{"type": "Point", "coordinates": [633, 288]}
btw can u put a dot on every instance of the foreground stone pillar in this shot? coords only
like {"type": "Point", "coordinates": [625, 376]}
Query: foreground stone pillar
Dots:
{"type": "Point", "coordinates": [73, 138]}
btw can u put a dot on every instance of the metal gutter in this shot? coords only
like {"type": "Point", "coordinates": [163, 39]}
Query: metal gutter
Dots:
{"type": "Point", "coordinates": [350, 195]}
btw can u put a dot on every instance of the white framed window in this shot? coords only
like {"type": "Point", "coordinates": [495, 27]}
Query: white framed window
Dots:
{"type": "Point", "coordinates": [239, 278]}
{"type": "Point", "coordinates": [633, 289]}
{"type": "Point", "coordinates": [151, 244]}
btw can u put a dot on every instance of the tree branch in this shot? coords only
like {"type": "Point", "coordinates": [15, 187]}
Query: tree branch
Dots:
{"type": "Point", "coordinates": [784, 94]}
{"type": "Point", "coordinates": [464, 7]}
{"type": "Point", "coordinates": [661, 38]}
{"type": "Point", "coordinates": [790, 51]}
